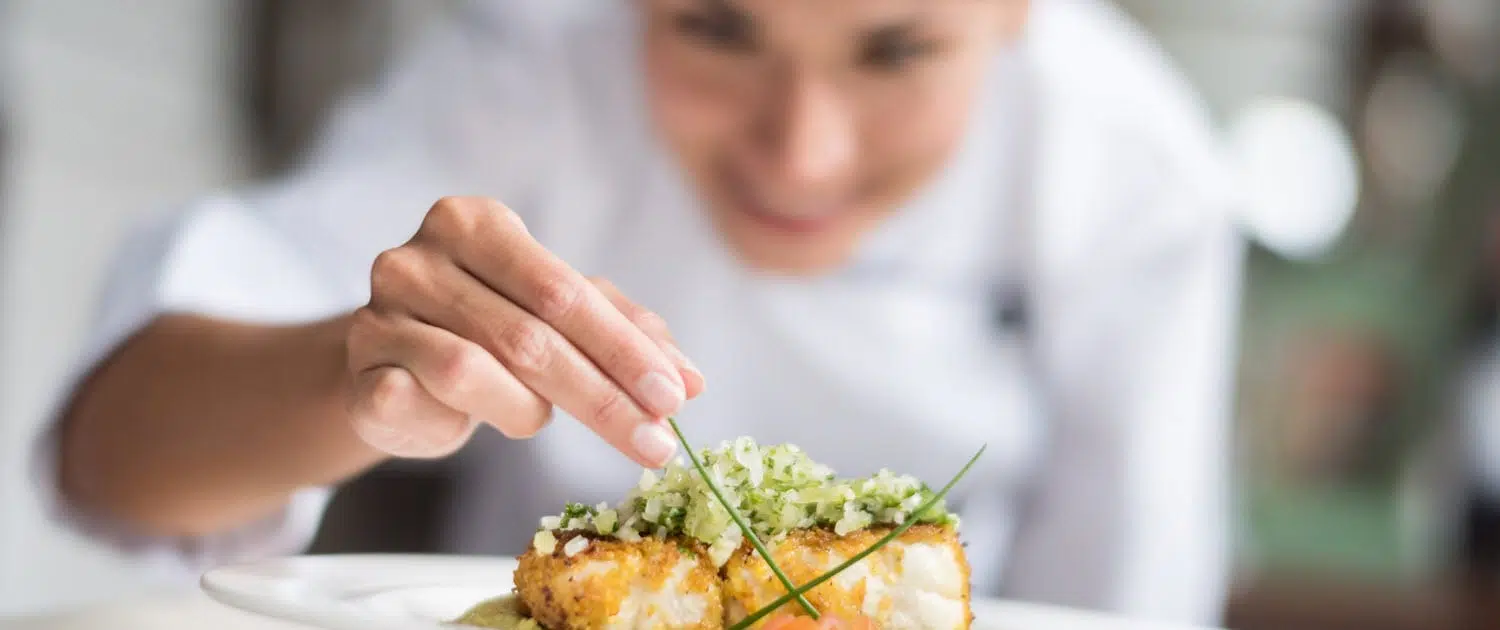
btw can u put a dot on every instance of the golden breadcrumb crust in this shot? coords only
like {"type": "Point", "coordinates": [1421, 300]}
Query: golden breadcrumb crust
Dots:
{"type": "Point", "coordinates": [804, 555]}
{"type": "Point", "coordinates": [561, 597]}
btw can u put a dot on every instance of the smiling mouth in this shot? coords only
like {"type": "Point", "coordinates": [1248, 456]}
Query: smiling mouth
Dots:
{"type": "Point", "coordinates": [753, 207]}
{"type": "Point", "coordinates": [792, 224]}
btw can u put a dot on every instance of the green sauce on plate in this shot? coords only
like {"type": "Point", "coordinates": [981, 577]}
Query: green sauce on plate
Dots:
{"type": "Point", "coordinates": [500, 613]}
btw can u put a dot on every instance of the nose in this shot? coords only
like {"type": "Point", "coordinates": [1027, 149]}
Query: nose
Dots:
{"type": "Point", "coordinates": [810, 136]}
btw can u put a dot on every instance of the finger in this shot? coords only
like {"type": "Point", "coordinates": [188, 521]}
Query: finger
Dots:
{"type": "Point", "coordinates": [542, 359]}
{"type": "Point", "coordinates": [656, 328]}
{"type": "Point", "coordinates": [490, 244]}
{"type": "Point", "coordinates": [457, 372]}
{"type": "Point", "coordinates": [392, 413]}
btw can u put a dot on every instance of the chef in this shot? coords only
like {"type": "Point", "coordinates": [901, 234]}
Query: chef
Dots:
{"type": "Point", "coordinates": [884, 230]}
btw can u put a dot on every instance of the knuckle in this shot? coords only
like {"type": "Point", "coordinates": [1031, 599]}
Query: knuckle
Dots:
{"type": "Point", "coordinates": [615, 412]}
{"type": "Point", "coordinates": [450, 216]}
{"type": "Point", "coordinates": [363, 326]}
{"type": "Point", "coordinates": [463, 306]}
{"type": "Point", "coordinates": [526, 346]}
{"type": "Point", "coordinates": [458, 217]}
{"type": "Point", "coordinates": [391, 390]}
{"type": "Point", "coordinates": [556, 296]}
{"type": "Point", "coordinates": [504, 215]}
{"type": "Point", "coordinates": [458, 372]}
{"type": "Point", "coordinates": [396, 268]}
{"type": "Point", "coordinates": [618, 358]}
{"type": "Point", "coordinates": [648, 320]}
{"type": "Point", "coordinates": [364, 320]}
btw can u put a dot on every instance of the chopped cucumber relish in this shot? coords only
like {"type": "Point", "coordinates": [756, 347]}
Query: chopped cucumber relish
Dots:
{"type": "Point", "coordinates": [777, 489]}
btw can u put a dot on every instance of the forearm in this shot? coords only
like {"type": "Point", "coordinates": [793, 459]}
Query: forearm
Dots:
{"type": "Point", "coordinates": [197, 425]}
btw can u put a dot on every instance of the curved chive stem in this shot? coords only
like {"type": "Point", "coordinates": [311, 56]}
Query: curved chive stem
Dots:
{"type": "Point", "coordinates": [740, 521]}
{"type": "Point", "coordinates": [910, 520]}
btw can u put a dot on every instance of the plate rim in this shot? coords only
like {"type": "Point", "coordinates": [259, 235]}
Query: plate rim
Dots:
{"type": "Point", "coordinates": [331, 614]}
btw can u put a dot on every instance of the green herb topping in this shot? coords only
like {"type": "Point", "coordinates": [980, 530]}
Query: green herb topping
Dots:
{"type": "Point", "coordinates": [777, 489]}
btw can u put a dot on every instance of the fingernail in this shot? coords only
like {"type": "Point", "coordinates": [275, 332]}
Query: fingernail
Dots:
{"type": "Point", "coordinates": [660, 393]}
{"type": "Point", "coordinates": [687, 364]}
{"type": "Point", "coordinates": [653, 442]}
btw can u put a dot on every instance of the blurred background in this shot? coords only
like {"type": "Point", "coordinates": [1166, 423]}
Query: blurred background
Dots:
{"type": "Point", "coordinates": [1369, 398]}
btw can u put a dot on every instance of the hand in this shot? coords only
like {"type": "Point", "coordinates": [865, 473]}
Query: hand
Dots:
{"type": "Point", "coordinates": [473, 321]}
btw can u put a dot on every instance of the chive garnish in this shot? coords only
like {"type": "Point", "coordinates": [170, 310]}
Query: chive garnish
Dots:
{"type": "Point", "coordinates": [740, 522]}
{"type": "Point", "coordinates": [910, 521]}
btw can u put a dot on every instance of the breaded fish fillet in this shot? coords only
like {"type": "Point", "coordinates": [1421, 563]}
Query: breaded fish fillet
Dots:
{"type": "Point", "coordinates": [673, 555]}
{"type": "Point", "coordinates": [918, 581]}
{"type": "Point", "coordinates": [649, 584]}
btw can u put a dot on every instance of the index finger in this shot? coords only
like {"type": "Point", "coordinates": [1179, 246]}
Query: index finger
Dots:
{"type": "Point", "coordinates": [503, 255]}
{"type": "Point", "coordinates": [655, 328]}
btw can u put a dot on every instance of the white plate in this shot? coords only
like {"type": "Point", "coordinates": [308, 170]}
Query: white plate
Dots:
{"type": "Point", "coordinates": [418, 592]}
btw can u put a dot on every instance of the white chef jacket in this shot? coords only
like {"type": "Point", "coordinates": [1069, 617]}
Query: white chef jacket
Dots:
{"type": "Point", "coordinates": [1087, 195]}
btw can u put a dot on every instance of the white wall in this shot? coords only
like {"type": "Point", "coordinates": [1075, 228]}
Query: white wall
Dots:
{"type": "Point", "coordinates": [119, 108]}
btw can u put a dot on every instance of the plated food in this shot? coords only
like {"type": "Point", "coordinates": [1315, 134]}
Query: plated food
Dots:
{"type": "Point", "coordinates": [687, 548]}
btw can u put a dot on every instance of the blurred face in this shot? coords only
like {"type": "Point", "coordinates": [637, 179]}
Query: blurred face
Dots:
{"type": "Point", "coordinates": [804, 123]}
